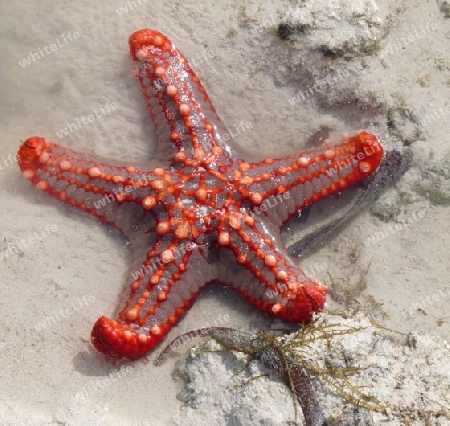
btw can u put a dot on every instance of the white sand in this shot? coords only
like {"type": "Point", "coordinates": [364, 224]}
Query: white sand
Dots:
{"type": "Point", "coordinates": [251, 78]}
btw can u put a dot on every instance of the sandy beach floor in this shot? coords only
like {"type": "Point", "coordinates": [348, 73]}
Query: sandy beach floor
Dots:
{"type": "Point", "coordinates": [382, 66]}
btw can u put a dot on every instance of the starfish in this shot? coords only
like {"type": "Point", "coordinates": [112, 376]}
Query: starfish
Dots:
{"type": "Point", "coordinates": [210, 216]}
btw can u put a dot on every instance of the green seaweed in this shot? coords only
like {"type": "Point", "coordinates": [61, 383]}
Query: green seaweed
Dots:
{"type": "Point", "coordinates": [290, 357]}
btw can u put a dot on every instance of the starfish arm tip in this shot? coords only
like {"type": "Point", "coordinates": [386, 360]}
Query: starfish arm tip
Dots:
{"type": "Point", "coordinates": [31, 153]}
{"type": "Point", "coordinates": [116, 340]}
{"type": "Point", "coordinates": [144, 38]}
{"type": "Point", "coordinates": [308, 301]}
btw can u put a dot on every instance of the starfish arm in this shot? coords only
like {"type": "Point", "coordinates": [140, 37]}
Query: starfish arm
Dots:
{"type": "Point", "coordinates": [391, 168]}
{"type": "Point", "coordinates": [177, 101]}
{"type": "Point", "coordinates": [90, 183]}
{"type": "Point", "coordinates": [265, 274]}
{"type": "Point", "coordinates": [168, 283]}
{"type": "Point", "coordinates": [282, 187]}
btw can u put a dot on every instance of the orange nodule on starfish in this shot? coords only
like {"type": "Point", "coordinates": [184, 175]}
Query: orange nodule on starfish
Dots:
{"type": "Point", "coordinates": [207, 204]}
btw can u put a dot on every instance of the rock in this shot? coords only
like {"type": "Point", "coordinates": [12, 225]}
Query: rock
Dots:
{"type": "Point", "coordinates": [408, 375]}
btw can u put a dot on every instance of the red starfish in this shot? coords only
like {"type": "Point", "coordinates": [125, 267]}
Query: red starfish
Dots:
{"type": "Point", "coordinates": [209, 216]}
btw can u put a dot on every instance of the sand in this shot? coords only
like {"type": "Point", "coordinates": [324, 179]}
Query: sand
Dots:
{"type": "Point", "coordinates": [379, 66]}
